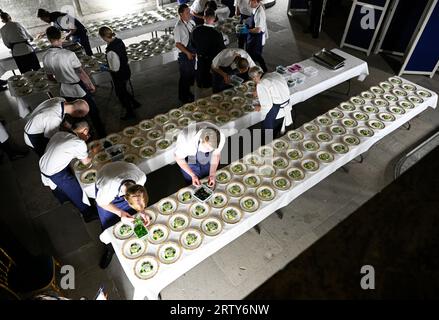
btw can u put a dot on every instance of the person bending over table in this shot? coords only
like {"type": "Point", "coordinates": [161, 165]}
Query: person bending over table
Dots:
{"type": "Point", "coordinates": [274, 98]}
{"type": "Point", "coordinates": [16, 38]}
{"type": "Point", "coordinates": [64, 22]}
{"type": "Point", "coordinates": [65, 67]}
{"type": "Point", "coordinates": [63, 147]}
{"type": "Point", "coordinates": [119, 195]}
{"type": "Point", "coordinates": [46, 119]}
{"type": "Point", "coordinates": [228, 62]}
{"type": "Point", "coordinates": [197, 11]}
{"type": "Point", "coordinates": [198, 152]}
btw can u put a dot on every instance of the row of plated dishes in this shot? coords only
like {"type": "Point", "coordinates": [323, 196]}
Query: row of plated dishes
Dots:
{"type": "Point", "coordinates": [181, 223]}
{"type": "Point", "coordinates": [29, 82]}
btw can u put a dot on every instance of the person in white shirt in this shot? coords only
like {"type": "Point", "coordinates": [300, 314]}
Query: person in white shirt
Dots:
{"type": "Point", "coordinates": [120, 71]}
{"type": "Point", "coordinates": [65, 67]}
{"type": "Point", "coordinates": [244, 11]}
{"type": "Point", "coordinates": [197, 11]}
{"type": "Point", "coordinates": [12, 150]}
{"type": "Point", "coordinates": [257, 33]}
{"type": "Point", "coordinates": [16, 38]}
{"type": "Point", "coordinates": [186, 56]}
{"type": "Point", "coordinates": [274, 98]}
{"type": "Point", "coordinates": [46, 119]}
{"type": "Point", "coordinates": [120, 193]}
{"type": "Point", "coordinates": [56, 173]}
{"type": "Point", "coordinates": [230, 61]}
{"type": "Point", "coordinates": [198, 152]}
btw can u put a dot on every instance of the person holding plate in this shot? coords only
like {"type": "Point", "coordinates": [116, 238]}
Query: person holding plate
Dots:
{"type": "Point", "coordinates": [198, 152]}
{"type": "Point", "coordinates": [120, 193]}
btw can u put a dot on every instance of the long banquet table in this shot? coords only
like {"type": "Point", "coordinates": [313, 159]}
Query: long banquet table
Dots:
{"type": "Point", "coordinates": [166, 273]}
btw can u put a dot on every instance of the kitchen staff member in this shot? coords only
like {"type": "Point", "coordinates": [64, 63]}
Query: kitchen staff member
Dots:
{"type": "Point", "coordinates": [16, 38]}
{"type": "Point", "coordinates": [257, 33]}
{"type": "Point", "coordinates": [228, 62]}
{"type": "Point", "coordinates": [244, 11]}
{"type": "Point", "coordinates": [120, 193]}
{"type": "Point", "coordinates": [208, 42]}
{"type": "Point", "coordinates": [120, 71]}
{"type": "Point", "coordinates": [65, 67]}
{"type": "Point", "coordinates": [56, 173]}
{"type": "Point", "coordinates": [197, 11]}
{"type": "Point", "coordinates": [186, 56]}
{"type": "Point", "coordinates": [198, 152]}
{"type": "Point", "coordinates": [274, 98]}
{"type": "Point", "coordinates": [64, 22]}
{"type": "Point", "coordinates": [13, 151]}
{"type": "Point", "coordinates": [46, 119]}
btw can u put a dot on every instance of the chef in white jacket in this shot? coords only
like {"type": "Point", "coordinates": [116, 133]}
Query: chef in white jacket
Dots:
{"type": "Point", "coordinates": [46, 119]}
{"type": "Point", "coordinates": [274, 98]}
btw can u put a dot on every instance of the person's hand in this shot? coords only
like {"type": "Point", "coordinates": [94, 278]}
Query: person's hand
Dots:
{"type": "Point", "coordinates": [125, 217]}
{"type": "Point", "coordinates": [146, 219]}
{"type": "Point", "coordinates": [211, 182]}
{"type": "Point", "coordinates": [190, 56]}
{"type": "Point", "coordinates": [195, 181]}
{"type": "Point", "coordinates": [96, 149]}
{"type": "Point", "coordinates": [226, 78]}
{"type": "Point", "coordinates": [257, 108]}
{"type": "Point", "coordinates": [255, 94]}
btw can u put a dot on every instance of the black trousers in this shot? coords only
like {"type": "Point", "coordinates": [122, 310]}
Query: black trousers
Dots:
{"type": "Point", "coordinates": [125, 97]}
{"type": "Point", "coordinates": [203, 74]}
{"type": "Point", "coordinates": [187, 78]}
{"type": "Point", "coordinates": [316, 17]}
{"type": "Point", "coordinates": [82, 38]}
{"type": "Point", "coordinates": [27, 62]}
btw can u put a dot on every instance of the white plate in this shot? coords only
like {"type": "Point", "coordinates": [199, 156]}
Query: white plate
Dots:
{"type": "Point", "coordinates": [178, 222]}
{"type": "Point", "coordinates": [146, 267]}
{"type": "Point", "coordinates": [294, 154]}
{"type": "Point", "coordinates": [235, 189]}
{"type": "Point", "coordinates": [170, 206]}
{"type": "Point", "coordinates": [147, 152]}
{"type": "Point", "coordinates": [280, 145]}
{"type": "Point", "coordinates": [311, 128]}
{"type": "Point", "coordinates": [127, 228]}
{"type": "Point", "coordinates": [211, 226]}
{"type": "Point", "coordinates": [78, 166]}
{"type": "Point", "coordinates": [218, 200]}
{"type": "Point", "coordinates": [323, 137]}
{"type": "Point", "coordinates": [185, 195]}
{"type": "Point", "coordinates": [89, 176]}
{"type": "Point", "coordinates": [231, 215]}
{"type": "Point", "coordinates": [364, 132]}
{"type": "Point", "coordinates": [266, 151]}
{"type": "Point", "coordinates": [131, 158]}
{"type": "Point", "coordinates": [266, 171]}
{"type": "Point", "coordinates": [134, 248]}
{"type": "Point", "coordinates": [175, 114]}
{"type": "Point", "coordinates": [310, 165]}
{"type": "Point", "coordinates": [252, 180]}
{"type": "Point", "coordinates": [280, 163]}
{"type": "Point", "coordinates": [325, 157]}
{"type": "Point", "coordinates": [296, 174]}
{"type": "Point", "coordinates": [281, 183]}
{"type": "Point", "coordinates": [253, 160]}
{"type": "Point", "coordinates": [191, 239]}
{"type": "Point", "coordinates": [161, 119]}
{"type": "Point", "coordinates": [249, 204]}
{"type": "Point", "coordinates": [351, 140]}
{"type": "Point", "coordinates": [163, 144]}
{"type": "Point", "coordinates": [158, 233]}
{"type": "Point", "coordinates": [265, 193]}
{"type": "Point", "coordinates": [199, 210]}
{"type": "Point", "coordinates": [336, 114]}
{"type": "Point", "coordinates": [223, 176]}
{"type": "Point", "coordinates": [324, 121]}
{"type": "Point", "coordinates": [376, 124]}
{"type": "Point", "coordinates": [169, 252]}
{"type": "Point", "coordinates": [295, 135]}
{"type": "Point", "coordinates": [337, 130]}
{"type": "Point", "coordinates": [154, 135]}
{"type": "Point", "coordinates": [238, 168]}
{"type": "Point", "coordinates": [130, 132]}
{"type": "Point", "coordinates": [138, 142]}
{"type": "Point", "coordinates": [310, 145]}
{"type": "Point", "coordinates": [114, 138]}
{"type": "Point", "coordinates": [339, 148]}
{"type": "Point", "coordinates": [146, 125]}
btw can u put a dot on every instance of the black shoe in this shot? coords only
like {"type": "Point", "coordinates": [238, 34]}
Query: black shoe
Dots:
{"type": "Point", "coordinates": [128, 116]}
{"type": "Point", "coordinates": [90, 217]}
{"type": "Point", "coordinates": [106, 258]}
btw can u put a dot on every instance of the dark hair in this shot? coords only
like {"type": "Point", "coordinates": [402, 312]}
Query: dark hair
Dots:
{"type": "Point", "coordinates": [209, 13]}
{"type": "Point", "coordinates": [4, 15]}
{"type": "Point", "coordinates": [70, 123]}
{"type": "Point", "coordinates": [43, 13]}
{"type": "Point", "coordinates": [182, 7]}
{"type": "Point", "coordinates": [211, 5]}
{"type": "Point", "coordinates": [53, 33]}
{"type": "Point", "coordinates": [106, 32]}
{"type": "Point", "coordinates": [242, 63]}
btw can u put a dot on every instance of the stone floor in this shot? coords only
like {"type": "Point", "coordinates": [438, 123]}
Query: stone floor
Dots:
{"type": "Point", "coordinates": [239, 268]}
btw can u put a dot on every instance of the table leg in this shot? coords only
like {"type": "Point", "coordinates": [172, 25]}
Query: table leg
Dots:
{"type": "Point", "coordinates": [280, 214]}
{"type": "Point", "coordinates": [257, 228]}
{"type": "Point", "coordinates": [407, 125]}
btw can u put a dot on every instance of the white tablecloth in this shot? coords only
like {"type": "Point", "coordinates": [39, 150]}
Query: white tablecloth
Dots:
{"type": "Point", "coordinates": [189, 259]}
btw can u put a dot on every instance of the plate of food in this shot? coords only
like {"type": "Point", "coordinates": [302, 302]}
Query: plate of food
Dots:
{"type": "Point", "coordinates": [130, 132]}
{"type": "Point", "coordinates": [367, 95]}
{"type": "Point", "coordinates": [184, 121]}
{"type": "Point", "coordinates": [161, 119]}
{"type": "Point", "coordinates": [79, 166]}
{"type": "Point", "coordinates": [189, 107]}
{"type": "Point", "coordinates": [405, 105]}
{"type": "Point", "coordinates": [158, 233]}
{"type": "Point", "coordinates": [223, 176]}
{"type": "Point", "coordinates": [339, 148]}
{"type": "Point", "coordinates": [357, 101]}
{"type": "Point", "coordinates": [114, 138]}
{"type": "Point", "coordinates": [280, 163]}
{"type": "Point", "coordinates": [134, 248]}
{"type": "Point", "coordinates": [146, 267]}
{"type": "Point", "coordinates": [266, 171]}
{"type": "Point", "coordinates": [222, 119]}
{"type": "Point", "coordinates": [360, 116]}
{"type": "Point", "coordinates": [249, 204]}
{"type": "Point", "coordinates": [212, 111]}
{"type": "Point", "coordinates": [231, 215]}
{"type": "Point", "coordinates": [380, 102]}
{"type": "Point", "coordinates": [178, 222]}
{"type": "Point", "coordinates": [349, 123]}
{"type": "Point", "coordinates": [336, 114]}
{"type": "Point", "coordinates": [395, 80]}
{"type": "Point", "coordinates": [310, 165]}
{"type": "Point", "coordinates": [351, 140]}
{"type": "Point", "coordinates": [169, 252]}
{"type": "Point", "coordinates": [154, 135]}
{"type": "Point", "coordinates": [252, 180]}
{"type": "Point", "coordinates": [169, 127]}
{"type": "Point", "coordinates": [376, 124]}
{"type": "Point", "coordinates": [199, 210]}
{"type": "Point", "coordinates": [280, 145]}
{"type": "Point", "coordinates": [24, 91]}
{"type": "Point", "coordinates": [415, 99]}
{"type": "Point", "coordinates": [138, 142]}
{"type": "Point", "coordinates": [310, 145]}
{"type": "Point", "coordinates": [370, 109]}
{"type": "Point", "coordinates": [423, 94]}
{"type": "Point", "coordinates": [281, 183]}
{"type": "Point", "coordinates": [163, 144]}
{"type": "Point", "coordinates": [324, 121]}
{"type": "Point", "coordinates": [175, 114]}
{"type": "Point", "coordinates": [296, 174]}
{"type": "Point", "coordinates": [185, 195]}
{"type": "Point", "coordinates": [167, 206]}
{"type": "Point", "coordinates": [131, 158]}
{"type": "Point", "coordinates": [235, 113]}
{"type": "Point", "coordinates": [239, 101]}
{"type": "Point", "coordinates": [238, 168]}
{"type": "Point", "coordinates": [295, 135]}
{"type": "Point", "coordinates": [147, 152]}
{"type": "Point", "coordinates": [191, 239]}
{"type": "Point", "coordinates": [199, 116]}
{"type": "Point", "coordinates": [211, 226]}
{"type": "Point", "coordinates": [235, 189]}
{"type": "Point", "coordinates": [266, 151]}
{"type": "Point", "coordinates": [294, 154]}
{"type": "Point", "coordinates": [89, 176]}
{"type": "Point", "coordinates": [337, 130]}
{"type": "Point", "coordinates": [216, 98]}
{"type": "Point", "coordinates": [123, 231]}
{"type": "Point", "coordinates": [218, 200]}
{"type": "Point", "coordinates": [311, 128]}
{"type": "Point", "coordinates": [377, 90]}
{"type": "Point", "coordinates": [265, 193]}
{"type": "Point", "coordinates": [386, 86]}
{"type": "Point", "coordinates": [392, 97]}
{"type": "Point", "coordinates": [346, 106]}
{"type": "Point", "coordinates": [201, 102]}
{"type": "Point", "coordinates": [396, 110]}
{"type": "Point", "coordinates": [397, 93]}
{"type": "Point", "coordinates": [364, 132]}
{"type": "Point", "coordinates": [226, 106]}
{"type": "Point", "coordinates": [387, 117]}
{"type": "Point", "coordinates": [325, 157]}
{"type": "Point", "coordinates": [150, 213]}
{"type": "Point", "coordinates": [253, 160]}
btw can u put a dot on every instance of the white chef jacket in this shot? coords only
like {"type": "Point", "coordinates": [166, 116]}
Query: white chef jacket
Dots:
{"type": "Point", "coordinates": [273, 89]}
{"type": "Point", "coordinates": [62, 64]}
{"type": "Point", "coordinates": [13, 32]}
{"type": "Point", "coordinates": [182, 31]}
{"type": "Point", "coordinates": [198, 6]}
{"type": "Point", "coordinates": [189, 138]}
{"type": "Point", "coordinates": [261, 22]}
{"type": "Point", "coordinates": [113, 61]}
{"type": "Point", "coordinates": [244, 7]}
{"type": "Point", "coordinates": [4, 136]}
{"type": "Point", "coordinates": [110, 177]}
{"type": "Point", "coordinates": [227, 56]}
{"type": "Point", "coordinates": [46, 118]}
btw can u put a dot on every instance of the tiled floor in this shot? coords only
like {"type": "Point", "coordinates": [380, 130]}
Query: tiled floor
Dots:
{"type": "Point", "coordinates": [240, 267]}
